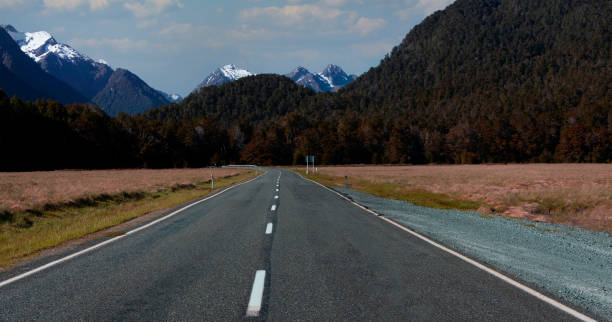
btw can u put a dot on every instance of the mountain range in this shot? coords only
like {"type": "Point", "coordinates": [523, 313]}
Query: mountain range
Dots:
{"type": "Point", "coordinates": [332, 78]}
{"type": "Point", "coordinates": [482, 81]}
{"type": "Point", "coordinates": [222, 75]}
{"type": "Point", "coordinates": [21, 76]}
{"type": "Point", "coordinates": [114, 91]}
{"type": "Point", "coordinates": [62, 61]}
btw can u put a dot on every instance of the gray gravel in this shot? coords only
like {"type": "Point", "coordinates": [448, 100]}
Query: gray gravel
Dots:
{"type": "Point", "coordinates": [568, 262]}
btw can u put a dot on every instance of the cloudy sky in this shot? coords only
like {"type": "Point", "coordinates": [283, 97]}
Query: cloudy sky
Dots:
{"type": "Point", "coordinates": [174, 44]}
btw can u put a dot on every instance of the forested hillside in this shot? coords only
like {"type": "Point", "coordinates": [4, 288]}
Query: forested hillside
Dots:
{"type": "Point", "coordinates": [501, 81]}
{"type": "Point", "coordinates": [45, 135]}
{"type": "Point", "coordinates": [481, 81]}
{"type": "Point", "coordinates": [252, 98]}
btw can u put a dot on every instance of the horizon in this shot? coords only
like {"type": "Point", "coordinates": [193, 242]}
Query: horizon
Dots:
{"type": "Point", "coordinates": [173, 45]}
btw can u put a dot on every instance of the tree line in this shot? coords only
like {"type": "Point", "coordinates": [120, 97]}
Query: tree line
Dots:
{"type": "Point", "coordinates": [45, 135]}
{"type": "Point", "coordinates": [479, 82]}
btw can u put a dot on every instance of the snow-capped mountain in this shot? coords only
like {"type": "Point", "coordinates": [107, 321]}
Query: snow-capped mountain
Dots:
{"type": "Point", "coordinates": [172, 98]}
{"type": "Point", "coordinates": [336, 77]}
{"type": "Point", "coordinates": [39, 44]}
{"type": "Point", "coordinates": [21, 76]}
{"type": "Point", "coordinates": [305, 78]}
{"type": "Point", "coordinates": [113, 90]}
{"type": "Point", "coordinates": [331, 79]}
{"type": "Point", "coordinates": [222, 75]}
{"type": "Point", "coordinates": [62, 61]}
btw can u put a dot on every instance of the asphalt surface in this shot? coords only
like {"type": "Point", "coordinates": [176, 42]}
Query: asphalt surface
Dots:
{"type": "Point", "coordinates": [324, 260]}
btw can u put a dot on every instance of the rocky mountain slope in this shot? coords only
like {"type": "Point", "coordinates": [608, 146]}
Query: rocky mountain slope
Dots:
{"type": "Point", "coordinates": [222, 75]}
{"type": "Point", "coordinates": [332, 78]}
{"type": "Point", "coordinates": [21, 76]}
{"type": "Point", "coordinates": [114, 91]}
{"type": "Point", "coordinates": [127, 93]}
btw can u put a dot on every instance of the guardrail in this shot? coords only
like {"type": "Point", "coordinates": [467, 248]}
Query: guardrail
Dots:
{"type": "Point", "coordinates": [240, 166]}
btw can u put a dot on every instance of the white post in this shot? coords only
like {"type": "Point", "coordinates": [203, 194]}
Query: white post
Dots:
{"type": "Point", "coordinates": [212, 181]}
{"type": "Point", "coordinates": [306, 164]}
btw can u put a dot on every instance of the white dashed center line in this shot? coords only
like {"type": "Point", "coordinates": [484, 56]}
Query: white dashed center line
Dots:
{"type": "Point", "coordinates": [269, 229]}
{"type": "Point", "coordinates": [256, 294]}
{"type": "Point", "coordinates": [275, 197]}
{"type": "Point", "coordinates": [273, 207]}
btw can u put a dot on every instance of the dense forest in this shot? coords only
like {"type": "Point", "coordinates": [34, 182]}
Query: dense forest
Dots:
{"type": "Point", "coordinates": [481, 81]}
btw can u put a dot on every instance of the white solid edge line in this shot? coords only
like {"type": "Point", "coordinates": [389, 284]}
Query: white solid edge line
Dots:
{"type": "Point", "coordinates": [269, 228]}
{"type": "Point", "coordinates": [497, 274]}
{"type": "Point", "coordinates": [273, 207]}
{"type": "Point", "coordinates": [256, 294]}
{"type": "Point", "coordinates": [106, 242]}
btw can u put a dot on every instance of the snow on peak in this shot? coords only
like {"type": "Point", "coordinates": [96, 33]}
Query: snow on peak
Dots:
{"type": "Point", "coordinates": [333, 69]}
{"type": "Point", "coordinates": [41, 43]}
{"type": "Point", "coordinates": [102, 61]}
{"type": "Point", "coordinates": [326, 79]}
{"type": "Point", "coordinates": [234, 73]}
{"type": "Point", "coordinates": [35, 40]}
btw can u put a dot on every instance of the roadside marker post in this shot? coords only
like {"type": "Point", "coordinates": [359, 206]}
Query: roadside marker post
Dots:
{"type": "Point", "coordinates": [212, 181]}
{"type": "Point", "coordinates": [310, 159]}
{"type": "Point", "coordinates": [345, 181]}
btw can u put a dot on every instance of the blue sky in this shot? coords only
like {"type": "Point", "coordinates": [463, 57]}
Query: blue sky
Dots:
{"type": "Point", "coordinates": [174, 44]}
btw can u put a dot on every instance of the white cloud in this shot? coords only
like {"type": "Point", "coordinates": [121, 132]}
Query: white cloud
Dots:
{"type": "Point", "coordinates": [10, 3]}
{"type": "Point", "coordinates": [151, 7]}
{"type": "Point", "coordinates": [118, 44]}
{"type": "Point", "coordinates": [314, 18]}
{"type": "Point", "coordinates": [73, 4]}
{"type": "Point", "coordinates": [293, 15]}
{"type": "Point", "coordinates": [366, 25]}
{"type": "Point", "coordinates": [98, 4]}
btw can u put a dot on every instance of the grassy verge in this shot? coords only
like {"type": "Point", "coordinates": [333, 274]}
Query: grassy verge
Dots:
{"type": "Point", "coordinates": [22, 234]}
{"type": "Point", "coordinates": [418, 197]}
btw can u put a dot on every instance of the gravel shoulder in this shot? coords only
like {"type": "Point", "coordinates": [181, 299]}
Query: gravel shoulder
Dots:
{"type": "Point", "coordinates": [569, 262]}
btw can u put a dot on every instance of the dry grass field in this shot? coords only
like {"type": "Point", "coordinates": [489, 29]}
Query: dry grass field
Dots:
{"type": "Point", "coordinates": [41, 210]}
{"type": "Point", "coordinates": [574, 194]}
{"type": "Point", "coordinates": [27, 190]}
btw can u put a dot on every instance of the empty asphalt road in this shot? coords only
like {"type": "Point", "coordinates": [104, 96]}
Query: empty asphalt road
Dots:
{"type": "Point", "coordinates": [277, 248]}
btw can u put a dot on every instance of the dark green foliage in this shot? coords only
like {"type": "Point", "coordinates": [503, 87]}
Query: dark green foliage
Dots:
{"type": "Point", "coordinates": [45, 135]}
{"type": "Point", "coordinates": [501, 81]}
{"type": "Point", "coordinates": [254, 98]}
{"type": "Point", "coordinates": [482, 81]}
